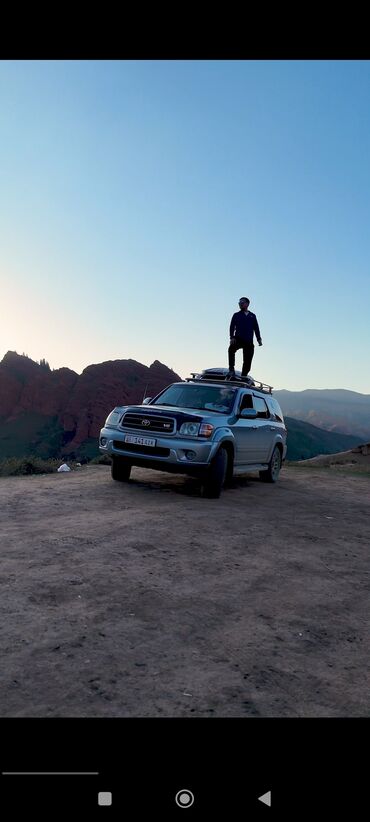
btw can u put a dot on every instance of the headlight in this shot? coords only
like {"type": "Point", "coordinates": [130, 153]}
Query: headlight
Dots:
{"type": "Point", "coordinates": [190, 429]}
{"type": "Point", "coordinates": [112, 419]}
{"type": "Point", "coordinates": [196, 429]}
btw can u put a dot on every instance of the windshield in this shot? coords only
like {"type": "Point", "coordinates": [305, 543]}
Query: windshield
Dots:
{"type": "Point", "coordinates": [202, 397]}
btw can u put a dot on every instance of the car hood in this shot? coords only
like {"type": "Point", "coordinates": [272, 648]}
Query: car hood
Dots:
{"type": "Point", "coordinates": [196, 413]}
{"type": "Point", "coordinates": [181, 414]}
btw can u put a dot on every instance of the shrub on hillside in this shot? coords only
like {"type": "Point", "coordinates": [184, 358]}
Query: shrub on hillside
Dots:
{"type": "Point", "coordinates": [103, 459]}
{"type": "Point", "coordinates": [15, 467]}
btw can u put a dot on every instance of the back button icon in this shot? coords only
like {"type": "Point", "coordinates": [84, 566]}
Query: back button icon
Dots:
{"type": "Point", "coordinates": [265, 798]}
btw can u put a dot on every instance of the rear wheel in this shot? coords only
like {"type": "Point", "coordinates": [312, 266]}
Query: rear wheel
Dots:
{"type": "Point", "coordinates": [215, 477]}
{"type": "Point", "coordinates": [121, 469]}
{"type": "Point", "coordinates": [273, 471]}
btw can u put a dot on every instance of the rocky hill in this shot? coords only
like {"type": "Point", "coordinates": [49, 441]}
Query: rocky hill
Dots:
{"type": "Point", "coordinates": [357, 458]}
{"type": "Point", "coordinates": [52, 412]}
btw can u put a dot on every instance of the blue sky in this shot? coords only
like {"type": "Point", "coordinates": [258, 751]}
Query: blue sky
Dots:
{"type": "Point", "coordinates": [140, 200]}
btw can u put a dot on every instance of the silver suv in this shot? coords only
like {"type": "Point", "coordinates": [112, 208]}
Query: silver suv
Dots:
{"type": "Point", "coordinates": [206, 427]}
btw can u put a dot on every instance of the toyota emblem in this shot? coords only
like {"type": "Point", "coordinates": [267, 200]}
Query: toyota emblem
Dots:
{"type": "Point", "coordinates": [145, 422]}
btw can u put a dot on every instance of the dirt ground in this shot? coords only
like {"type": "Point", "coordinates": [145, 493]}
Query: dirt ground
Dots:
{"type": "Point", "coordinates": [144, 599]}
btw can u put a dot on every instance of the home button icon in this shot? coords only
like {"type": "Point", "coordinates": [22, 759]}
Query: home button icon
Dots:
{"type": "Point", "coordinates": [184, 798]}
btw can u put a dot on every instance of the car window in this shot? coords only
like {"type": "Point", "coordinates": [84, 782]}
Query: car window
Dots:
{"type": "Point", "coordinates": [202, 397]}
{"type": "Point", "coordinates": [246, 402]}
{"type": "Point", "coordinates": [261, 407]}
{"type": "Point", "coordinates": [275, 409]}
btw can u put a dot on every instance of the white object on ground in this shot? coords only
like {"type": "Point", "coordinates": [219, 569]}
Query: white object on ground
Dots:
{"type": "Point", "coordinates": [63, 467]}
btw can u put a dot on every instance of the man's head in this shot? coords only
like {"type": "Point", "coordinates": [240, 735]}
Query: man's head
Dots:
{"type": "Point", "coordinates": [244, 303]}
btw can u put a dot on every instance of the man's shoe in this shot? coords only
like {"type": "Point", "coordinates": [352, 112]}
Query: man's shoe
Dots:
{"type": "Point", "coordinates": [230, 375]}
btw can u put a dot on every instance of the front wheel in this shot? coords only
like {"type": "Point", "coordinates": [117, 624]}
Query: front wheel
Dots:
{"type": "Point", "coordinates": [215, 477]}
{"type": "Point", "coordinates": [121, 469]}
{"type": "Point", "coordinates": [273, 471]}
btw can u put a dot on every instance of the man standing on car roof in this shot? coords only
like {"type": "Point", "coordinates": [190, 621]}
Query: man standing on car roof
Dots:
{"type": "Point", "coordinates": [242, 328]}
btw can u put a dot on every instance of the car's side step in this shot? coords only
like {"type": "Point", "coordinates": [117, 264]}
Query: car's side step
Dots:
{"type": "Point", "coordinates": [245, 469]}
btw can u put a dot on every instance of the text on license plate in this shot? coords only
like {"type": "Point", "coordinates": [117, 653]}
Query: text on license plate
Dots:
{"type": "Point", "coordinates": [140, 440]}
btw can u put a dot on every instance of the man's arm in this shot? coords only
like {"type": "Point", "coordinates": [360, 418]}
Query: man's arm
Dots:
{"type": "Point", "coordinates": [232, 327]}
{"type": "Point", "coordinates": [257, 330]}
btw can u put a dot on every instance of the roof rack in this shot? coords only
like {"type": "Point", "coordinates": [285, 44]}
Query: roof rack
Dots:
{"type": "Point", "coordinates": [239, 382]}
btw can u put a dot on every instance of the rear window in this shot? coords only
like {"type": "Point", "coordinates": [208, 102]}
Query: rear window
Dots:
{"type": "Point", "coordinates": [275, 409]}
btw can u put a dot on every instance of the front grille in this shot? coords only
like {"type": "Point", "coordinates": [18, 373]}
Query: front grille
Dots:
{"type": "Point", "coordinates": [162, 425]}
{"type": "Point", "coordinates": [141, 449]}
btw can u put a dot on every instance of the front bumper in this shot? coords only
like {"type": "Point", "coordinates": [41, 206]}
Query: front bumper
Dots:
{"type": "Point", "coordinates": [183, 453]}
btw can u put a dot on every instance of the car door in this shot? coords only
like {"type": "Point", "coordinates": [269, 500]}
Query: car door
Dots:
{"type": "Point", "coordinates": [265, 429]}
{"type": "Point", "coordinates": [245, 433]}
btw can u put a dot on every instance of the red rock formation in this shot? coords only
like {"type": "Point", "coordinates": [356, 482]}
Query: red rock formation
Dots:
{"type": "Point", "coordinates": [27, 386]}
{"type": "Point", "coordinates": [81, 402]}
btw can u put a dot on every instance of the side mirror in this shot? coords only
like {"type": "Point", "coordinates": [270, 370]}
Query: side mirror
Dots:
{"type": "Point", "coordinates": [249, 414]}
{"type": "Point", "coordinates": [147, 399]}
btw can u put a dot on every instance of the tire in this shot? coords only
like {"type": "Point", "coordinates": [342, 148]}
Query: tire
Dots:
{"type": "Point", "coordinates": [229, 478]}
{"type": "Point", "coordinates": [121, 469]}
{"type": "Point", "coordinates": [216, 474]}
{"type": "Point", "coordinates": [272, 473]}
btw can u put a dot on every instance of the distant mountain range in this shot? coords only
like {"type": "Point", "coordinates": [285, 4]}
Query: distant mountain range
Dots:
{"type": "Point", "coordinates": [336, 410]}
{"type": "Point", "coordinates": [306, 440]}
{"type": "Point", "coordinates": [59, 413]}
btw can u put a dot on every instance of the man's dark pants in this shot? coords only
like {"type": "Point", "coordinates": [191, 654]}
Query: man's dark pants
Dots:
{"type": "Point", "coordinates": [248, 351]}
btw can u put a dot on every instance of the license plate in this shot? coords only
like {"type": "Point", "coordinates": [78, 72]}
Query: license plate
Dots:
{"type": "Point", "coordinates": [140, 440]}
